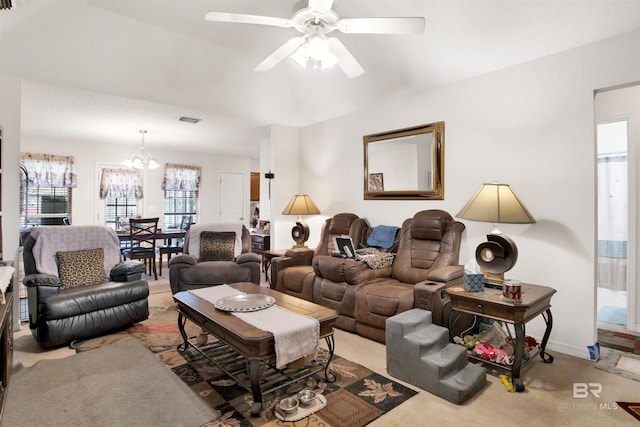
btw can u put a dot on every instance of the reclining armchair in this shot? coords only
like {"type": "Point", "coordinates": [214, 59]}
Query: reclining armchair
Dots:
{"type": "Point", "coordinates": [214, 253]}
{"type": "Point", "coordinates": [337, 280]}
{"type": "Point", "coordinates": [77, 287]}
{"type": "Point", "coordinates": [293, 273]}
{"type": "Point", "coordinates": [426, 263]}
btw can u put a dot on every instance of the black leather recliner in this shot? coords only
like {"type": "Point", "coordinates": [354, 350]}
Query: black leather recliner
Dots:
{"type": "Point", "coordinates": [59, 315]}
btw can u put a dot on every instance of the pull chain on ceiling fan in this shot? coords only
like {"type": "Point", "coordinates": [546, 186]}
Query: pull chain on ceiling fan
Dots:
{"type": "Point", "coordinates": [314, 49]}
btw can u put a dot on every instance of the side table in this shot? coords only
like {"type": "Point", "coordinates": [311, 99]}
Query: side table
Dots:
{"type": "Point", "coordinates": [259, 244]}
{"type": "Point", "coordinates": [536, 300]}
{"type": "Point", "coordinates": [267, 256]}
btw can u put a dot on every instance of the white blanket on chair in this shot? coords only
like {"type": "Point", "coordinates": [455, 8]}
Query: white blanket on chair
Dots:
{"type": "Point", "coordinates": [295, 335]}
{"type": "Point", "coordinates": [196, 229]}
{"type": "Point", "coordinates": [54, 238]}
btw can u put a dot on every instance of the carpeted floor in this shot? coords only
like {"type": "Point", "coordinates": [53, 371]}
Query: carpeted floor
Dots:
{"type": "Point", "coordinates": [358, 396]}
{"type": "Point", "coordinates": [117, 385]}
{"type": "Point", "coordinates": [548, 399]}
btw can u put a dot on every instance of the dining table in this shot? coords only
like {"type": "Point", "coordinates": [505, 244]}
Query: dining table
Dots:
{"type": "Point", "coordinates": [167, 235]}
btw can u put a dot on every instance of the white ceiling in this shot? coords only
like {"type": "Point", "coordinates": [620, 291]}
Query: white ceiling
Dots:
{"type": "Point", "coordinates": [100, 70]}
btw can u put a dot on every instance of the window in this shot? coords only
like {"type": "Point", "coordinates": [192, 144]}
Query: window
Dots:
{"type": "Point", "coordinates": [181, 185]}
{"type": "Point", "coordinates": [45, 189]}
{"type": "Point", "coordinates": [120, 189]}
{"type": "Point", "coordinates": [115, 208]}
{"type": "Point", "coordinates": [178, 204]}
{"type": "Point", "coordinates": [45, 206]}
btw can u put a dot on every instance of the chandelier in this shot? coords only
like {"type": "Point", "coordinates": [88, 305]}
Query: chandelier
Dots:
{"type": "Point", "coordinates": [141, 160]}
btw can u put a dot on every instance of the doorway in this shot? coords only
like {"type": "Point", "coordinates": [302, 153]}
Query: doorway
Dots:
{"type": "Point", "coordinates": [613, 235]}
{"type": "Point", "coordinates": [617, 113]}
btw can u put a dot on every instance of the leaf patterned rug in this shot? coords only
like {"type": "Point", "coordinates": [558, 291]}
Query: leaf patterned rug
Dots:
{"type": "Point", "coordinates": [357, 397]}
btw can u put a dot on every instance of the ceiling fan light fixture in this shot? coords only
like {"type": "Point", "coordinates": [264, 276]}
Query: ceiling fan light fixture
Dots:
{"type": "Point", "coordinates": [317, 47]}
{"type": "Point", "coordinates": [315, 53]}
{"type": "Point", "coordinates": [313, 50]}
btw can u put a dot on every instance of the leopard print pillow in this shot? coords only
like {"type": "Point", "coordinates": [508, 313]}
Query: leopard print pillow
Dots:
{"type": "Point", "coordinates": [79, 268]}
{"type": "Point", "coordinates": [217, 245]}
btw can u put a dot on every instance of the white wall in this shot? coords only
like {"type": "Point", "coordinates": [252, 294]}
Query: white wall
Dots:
{"type": "Point", "coordinates": [88, 158]}
{"type": "Point", "coordinates": [284, 145]}
{"type": "Point", "coordinates": [10, 101]}
{"type": "Point", "coordinates": [531, 126]}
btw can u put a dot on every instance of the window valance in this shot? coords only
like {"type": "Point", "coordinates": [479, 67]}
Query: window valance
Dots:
{"type": "Point", "coordinates": [181, 178]}
{"type": "Point", "coordinates": [49, 170]}
{"type": "Point", "coordinates": [121, 183]}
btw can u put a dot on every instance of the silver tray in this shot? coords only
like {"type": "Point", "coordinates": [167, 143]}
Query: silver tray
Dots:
{"type": "Point", "coordinates": [248, 302]}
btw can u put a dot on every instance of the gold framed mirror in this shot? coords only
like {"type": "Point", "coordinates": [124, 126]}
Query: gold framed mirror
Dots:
{"type": "Point", "coordinates": [405, 164]}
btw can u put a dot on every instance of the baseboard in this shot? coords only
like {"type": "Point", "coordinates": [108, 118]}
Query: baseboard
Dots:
{"type": "Point", "coordinates": [569, 350]}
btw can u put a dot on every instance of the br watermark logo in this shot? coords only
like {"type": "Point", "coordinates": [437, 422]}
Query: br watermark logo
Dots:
{"type": "Point", "coordinates": [584, 391]}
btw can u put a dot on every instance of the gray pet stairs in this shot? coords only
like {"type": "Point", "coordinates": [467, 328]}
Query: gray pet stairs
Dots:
{"type": "Point", "coordinates": [419, 353]}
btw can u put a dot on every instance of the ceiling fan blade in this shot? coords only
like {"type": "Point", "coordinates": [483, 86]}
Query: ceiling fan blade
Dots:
{"type": "Point", "coordinates": [382, 25]}
{"type": "Point", "coordinates": [287, 49]}
{"type": "Point", "coordinates": [320, 6]}
{"type": "Point", "coordinates": [240, 18]}
{"type": "Point", "coordinates": [347, 62]}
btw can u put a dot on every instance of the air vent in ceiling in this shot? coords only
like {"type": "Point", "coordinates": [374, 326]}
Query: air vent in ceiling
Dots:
{"type": "Point", "coordinates": [189, 119]}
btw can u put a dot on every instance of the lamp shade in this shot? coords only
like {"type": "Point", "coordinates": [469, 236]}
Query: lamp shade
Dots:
{"type": "Point", "coordinates": [301, 204]}
{"type": "Point", "coordinates": [496, 203]}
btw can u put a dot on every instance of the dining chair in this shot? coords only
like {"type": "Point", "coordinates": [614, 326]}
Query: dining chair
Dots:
{"type": "Point", "coordinates": [169, 248]}
{"type": "Point", "coordinates": [142, 235]}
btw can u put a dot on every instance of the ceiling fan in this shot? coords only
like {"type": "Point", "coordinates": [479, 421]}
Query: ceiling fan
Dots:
{"type": "Point", "coordinates": [313, 49]}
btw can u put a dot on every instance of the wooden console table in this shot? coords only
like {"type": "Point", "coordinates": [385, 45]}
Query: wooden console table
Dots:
{"type": "Point", "coordinates": [536, 300]}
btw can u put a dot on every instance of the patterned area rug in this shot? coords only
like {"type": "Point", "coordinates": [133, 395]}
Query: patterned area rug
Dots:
{"type": "Point", "coordinates": [356, 398]}
{"type": "Point", "coordinates": [632, 408]}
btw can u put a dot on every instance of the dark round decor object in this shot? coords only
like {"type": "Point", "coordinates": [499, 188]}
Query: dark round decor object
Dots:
{"type": "Point", "coordinates": [497, 255]}
{"type": "Point", "coordinates": [300, 233]}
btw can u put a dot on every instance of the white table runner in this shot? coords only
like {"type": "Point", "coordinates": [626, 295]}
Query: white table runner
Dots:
{"type": "Point", "coordinates": [295, 335]}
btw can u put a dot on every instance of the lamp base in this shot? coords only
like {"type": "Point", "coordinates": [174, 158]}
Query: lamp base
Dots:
{"type": "Point", "coordinates": [300, 234]}
{"type": "Point", "coordinates": [496, 279]}
{"type": "Point", "coordinates": [496, 256]}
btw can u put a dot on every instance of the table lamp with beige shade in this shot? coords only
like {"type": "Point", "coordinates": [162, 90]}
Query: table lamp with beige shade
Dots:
{"type": "Point", "coordinates": [300, 204]}
{"type": "Point", "coordinates": [496, 203]}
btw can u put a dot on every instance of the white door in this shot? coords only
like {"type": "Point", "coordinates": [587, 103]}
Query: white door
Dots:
{"type": "Point", "coordinates": [232, 197]}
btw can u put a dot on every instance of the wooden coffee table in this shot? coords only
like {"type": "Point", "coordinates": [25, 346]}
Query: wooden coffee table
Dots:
{"type": "Point", "coordinates": [243, 349]}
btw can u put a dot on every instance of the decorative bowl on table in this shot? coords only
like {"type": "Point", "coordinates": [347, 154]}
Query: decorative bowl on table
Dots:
{"type": "Point", "coordinates": [245, 302]}
{"type": "Point", "coordinates": [288, 406]}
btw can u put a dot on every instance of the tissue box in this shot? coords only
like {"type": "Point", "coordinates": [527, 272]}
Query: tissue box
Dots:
{"type": "Point", "coordinates": [473, 282]}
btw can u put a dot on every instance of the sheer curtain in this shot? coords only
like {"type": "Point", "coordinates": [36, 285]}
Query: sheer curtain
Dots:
{"type": "Point", "coordinates": [181, 178]}
{"type": "Point", "coordinates": [121, 183]}
{"type": "Point", "coordinates": [612, 222]}
{"type": "Point", "coordinates": [48, 170]}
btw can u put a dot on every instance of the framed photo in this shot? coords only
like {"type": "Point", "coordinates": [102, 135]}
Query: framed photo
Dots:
{"type": "Point", "coordinates": [344, 244]}
{"type": "Point", "coordinates": [376, 182]}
